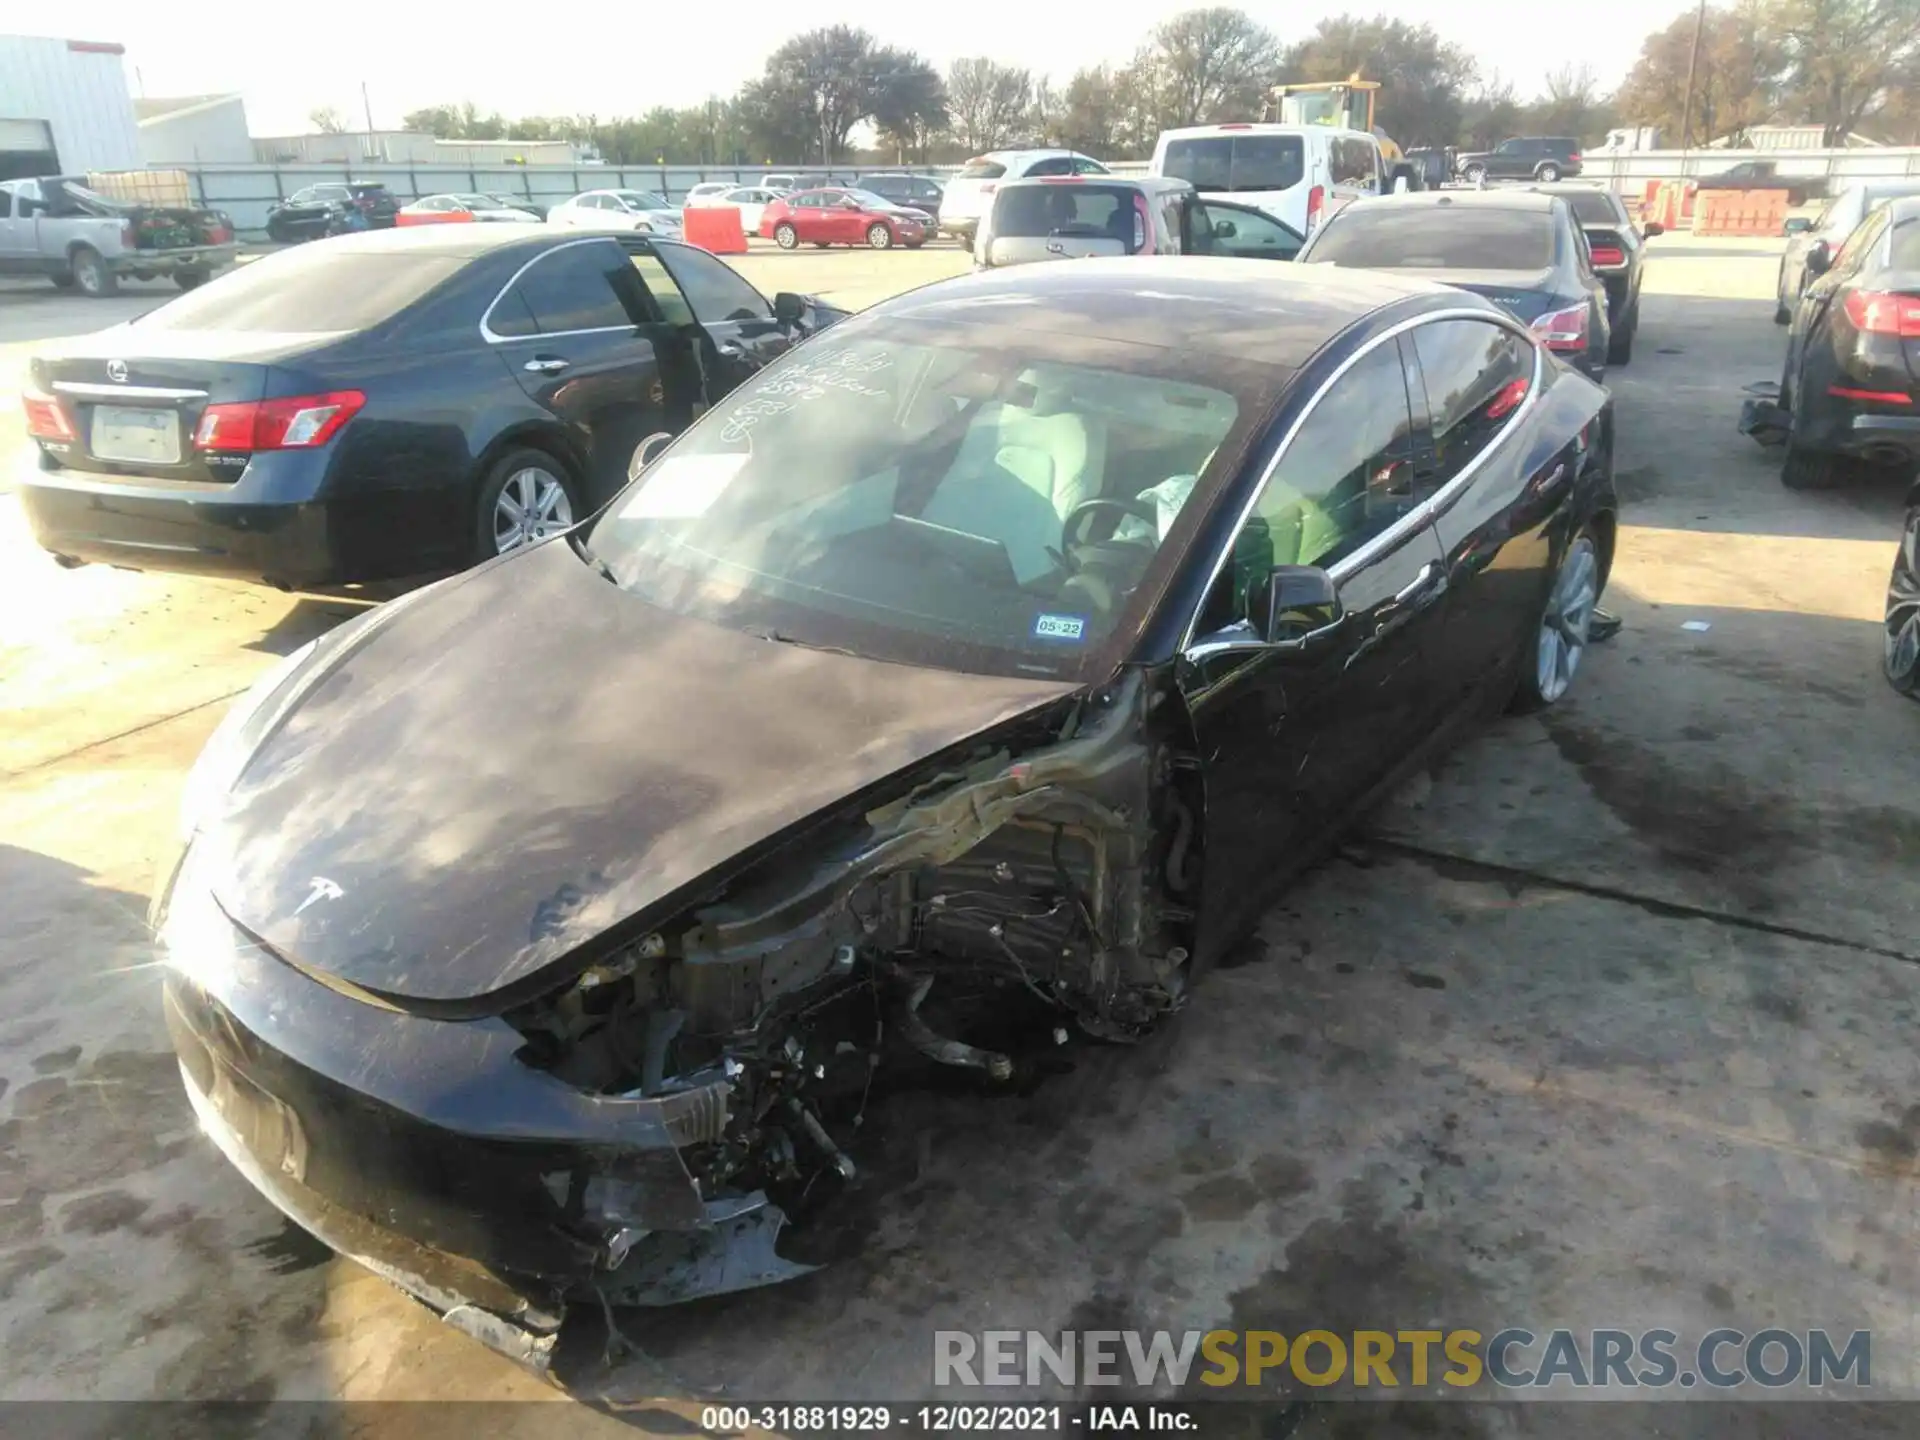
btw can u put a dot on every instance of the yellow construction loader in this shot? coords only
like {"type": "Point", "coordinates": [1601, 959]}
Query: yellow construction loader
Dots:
{"type": "Point", "coordinates": [1346, 103]}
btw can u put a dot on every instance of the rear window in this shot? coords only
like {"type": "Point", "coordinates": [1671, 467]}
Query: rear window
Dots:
{"type": "Point", "coordinates": [1032, 211]}
{"type": "Point", "coordinates": [368, 189]}
{"type": "Point", "coordinates": [1226, 163]}
{"type": "Point", "coordinates": [306, 291]}
{"type": "Point", "coordinates": [1591, 207]}
{"type": "Point", "coordinates": [1427, 237]}
{"type": "Point", "coordinates": [1905, 253]}
{"type": "Point", "coordinates": [983, 170]}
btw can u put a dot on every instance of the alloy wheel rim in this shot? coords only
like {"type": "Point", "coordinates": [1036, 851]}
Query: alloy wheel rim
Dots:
{"type": "Point", "coordinates": [533, 504]}
{"type": "Point", "coordinates": [1568, 619]}
{"type": "Point", "coordinates": [879, 238]}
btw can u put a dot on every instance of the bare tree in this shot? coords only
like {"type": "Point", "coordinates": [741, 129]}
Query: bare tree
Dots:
{"type": "Point", "coordinates": [989, 102]}
{"type": "Point", "coordinates": [327, 120]}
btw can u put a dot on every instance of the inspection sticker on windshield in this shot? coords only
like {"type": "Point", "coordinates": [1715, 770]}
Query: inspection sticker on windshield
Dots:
{"type": "Point", "coordinates": [1071, 628]}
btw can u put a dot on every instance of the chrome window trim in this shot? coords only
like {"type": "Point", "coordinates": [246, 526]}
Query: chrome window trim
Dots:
{"type": "Point", "coordinates": [1345, 567]}
{"type": "Point", "coordinates": [88, 391]}
{"type": "Point", "coordinates": [487, 332]}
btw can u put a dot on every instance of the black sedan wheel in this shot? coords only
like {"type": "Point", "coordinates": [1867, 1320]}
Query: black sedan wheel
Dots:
{"type": "Point", "coordinates": [1620, 344]}
{"type": "Point", "coordinates": [1903, 612]}
{"type": "Point", "coordinates": [1560, 640]}
{"type": "Point", "coordinates": [528, 497]}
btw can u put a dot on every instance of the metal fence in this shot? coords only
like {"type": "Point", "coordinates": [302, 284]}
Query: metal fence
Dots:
{"type": "Point", "coordinates": [247, 192]}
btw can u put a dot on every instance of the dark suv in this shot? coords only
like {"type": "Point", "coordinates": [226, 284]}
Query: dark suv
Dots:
{"type": "Point", "coordinates": [1548, 158]}
{"type": "Point", "coordinates": [915, 190]}
{"type": "Point", "coordinates": [329, 208]}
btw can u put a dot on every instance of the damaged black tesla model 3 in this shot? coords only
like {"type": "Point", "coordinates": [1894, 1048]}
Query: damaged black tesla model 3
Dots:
{"type": "Point", "coordinates": [537, 934]}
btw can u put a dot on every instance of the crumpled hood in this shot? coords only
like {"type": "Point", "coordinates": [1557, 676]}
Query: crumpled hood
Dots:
{"type": "Point", "coordinates": [465, 793]}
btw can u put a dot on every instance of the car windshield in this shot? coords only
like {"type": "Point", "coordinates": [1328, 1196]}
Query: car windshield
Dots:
{"type": "Point", "coordinates": [643, 200]}
{"type": "Point", "coordinates": [903, 491]}
{"type": "Point", "coordinates": [871, 200]}
{"type": "Point", "coordinates": [307, 290]}
{"type": "Point", "coordinates": [1220, 164]}
{"type": "Point", "coordinates": [1392, 236]}
{"type": "Point", "coordinates": [983, 170]}
{"type": "Point", "coordinates": [476, 202]}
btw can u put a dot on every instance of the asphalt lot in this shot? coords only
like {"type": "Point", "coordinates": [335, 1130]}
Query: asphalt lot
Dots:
{"type": "Point", "coordinates": [1608, 1023]}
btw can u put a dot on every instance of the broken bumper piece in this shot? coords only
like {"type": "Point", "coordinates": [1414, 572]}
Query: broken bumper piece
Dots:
{"type": "Point", "coordinates": [426, 1151]}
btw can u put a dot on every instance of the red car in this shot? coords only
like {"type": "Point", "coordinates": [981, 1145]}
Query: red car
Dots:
{"type": "Point", "coordinates": [841, 216]}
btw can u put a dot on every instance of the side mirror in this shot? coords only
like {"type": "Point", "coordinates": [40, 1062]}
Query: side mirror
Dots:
{"type": "Point", "coordinates": [849, 204]}
{"type": "Point", "coordinates": [1224, 230]}
{"type": "Point", "coordinates": [1654, 227]}
{"type": "Point", "coordinates": [789, 308]}
{"type": "Point", "coordinates": [646, 451]}
{"type": "Point", "coordinates": [1820, 258]}
{"type": "Point", "coordinates": [1797, 225]}
{"type": "Point", "coordinates": [1294, 604]}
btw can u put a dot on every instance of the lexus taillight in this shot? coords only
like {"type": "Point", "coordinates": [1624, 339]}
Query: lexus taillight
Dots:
{"type": "Point", "coordinates": [1316, 202]}
{"type": "Point", "coordinates": [1563, 329]}
{"type": "Point", "coordinates": [46, 417]}
{"type": "Point", "coordinates": [1876, 312]}
{"type": "Point", "coordinates": [296, 422]}
{"type": "Point", "coordinates": [1608, 255]}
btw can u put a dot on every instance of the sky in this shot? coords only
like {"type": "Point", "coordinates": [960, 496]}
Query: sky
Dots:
{"type": "Point", "coordinates": [613, 57]}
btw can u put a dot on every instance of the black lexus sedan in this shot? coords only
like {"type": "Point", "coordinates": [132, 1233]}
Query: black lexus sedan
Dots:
{"type": "Point", "coordinates": [1850, 385]}
{"type": "Point", "coordinates": [1522, 249]}
{"type": "Point", "coordinates": [1618, 250]}
{"type": "Point", "coordinates": [329, 208]}
{"type": "Point", "coordinates": [387, 404]}
{"type": "Point", "coordinates": [1010, 642]}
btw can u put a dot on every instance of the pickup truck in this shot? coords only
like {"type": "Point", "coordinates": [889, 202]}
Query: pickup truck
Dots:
{"type": "Point", "coordinates": [55, 226]}
{"type": "Point", "coordinates": [1762, 175]}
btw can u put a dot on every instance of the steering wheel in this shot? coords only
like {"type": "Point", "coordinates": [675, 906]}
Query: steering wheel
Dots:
{"type": "Point", "coordinates": [1140, 509]}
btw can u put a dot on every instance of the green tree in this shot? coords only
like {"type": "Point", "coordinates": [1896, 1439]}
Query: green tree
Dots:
{"type": "Point", "coordinates": [908, 103]}
{"type": "Point", "coordinates": [1091, 112]}
{"type": "Point", "coordinates": [1843, 58]}
{"type": "Point", "coordinates": [1205, 66]}
{"type": "Point", "coordinates": [1735, 81]}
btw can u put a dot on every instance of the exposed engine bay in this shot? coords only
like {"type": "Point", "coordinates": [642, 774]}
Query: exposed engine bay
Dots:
{"type": "Point", "coordinates": [1055, 869]}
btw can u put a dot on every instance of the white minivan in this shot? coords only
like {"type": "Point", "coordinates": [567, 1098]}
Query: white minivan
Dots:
{"type": "Point", "coordinates": [1299, 174]}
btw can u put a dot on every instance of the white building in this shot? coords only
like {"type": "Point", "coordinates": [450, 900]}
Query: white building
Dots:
{"type": "Point", "coordinates": [64, 108]}
{"type": "Point", "coordinates": [194, 130]}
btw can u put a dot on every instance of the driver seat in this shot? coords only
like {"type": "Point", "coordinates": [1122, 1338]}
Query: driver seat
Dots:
{"type": "Point", "coordinates": [1018, 474]}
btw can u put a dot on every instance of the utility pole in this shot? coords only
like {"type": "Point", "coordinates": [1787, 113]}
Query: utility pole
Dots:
{"type": "Point", "coordinates": [366, 106]}
{"type": "Point", "coordinates": [1693, 64]}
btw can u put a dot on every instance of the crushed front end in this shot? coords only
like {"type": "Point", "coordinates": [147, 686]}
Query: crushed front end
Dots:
{"type": "Point", "coordinates": [635, 1134]}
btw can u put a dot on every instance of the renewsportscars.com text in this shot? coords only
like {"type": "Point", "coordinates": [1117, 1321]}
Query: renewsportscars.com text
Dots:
{"type": "Point", "coordinates": [1385, 1360]}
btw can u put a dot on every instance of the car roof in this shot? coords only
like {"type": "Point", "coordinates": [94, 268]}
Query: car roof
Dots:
{"type": "Point", "coordinates": [470, 240]}
{"type": "Point", "coordinates": [1259, 310]}
{"type": "Point", "coordinates": [1515, 199]}
{"type": "Point", "coordinates": [1228, 129]}
{"type": "Point", "coordinates": [1147, 184]}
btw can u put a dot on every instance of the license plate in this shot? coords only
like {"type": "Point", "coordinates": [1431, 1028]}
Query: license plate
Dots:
{"type": "Point", "coordinates": [142, 437]}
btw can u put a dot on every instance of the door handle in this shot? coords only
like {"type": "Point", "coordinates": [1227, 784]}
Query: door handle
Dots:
{"type": "Point", "coordinates": [546, 365]}
{"type": "Point", "coordinates": [1426, 587]}
{"type": "Point", "coordinates": [732, 349]}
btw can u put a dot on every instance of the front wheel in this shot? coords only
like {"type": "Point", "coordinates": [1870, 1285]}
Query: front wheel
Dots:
{"type": "Point", "coordinates": [786, 237]}
{"type": "Point", "coordinates": [1620, 344]}
{"type": "Point", "coordinates": [1547, 174]}
{"type": "Point", "coordinates": [1560, 639]}
{"type": "Point", "coordinates": [1903, 613]}
{"type": "Point", "coordinates": [879, 237]}
{"type": "Point", "coordinates": [527, 497]}
{"type": "Point", "coordinates": [92, 275]}
{"type": "Point", "coordinates": [1475, 175]}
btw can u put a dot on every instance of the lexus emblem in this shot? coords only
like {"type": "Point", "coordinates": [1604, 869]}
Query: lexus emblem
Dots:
{"type": "Point", "coordinates": [320, 888]}
{"type": "Point", "coordinates": [117, 371]}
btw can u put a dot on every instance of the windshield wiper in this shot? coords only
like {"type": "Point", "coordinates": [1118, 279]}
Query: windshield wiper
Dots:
{"type": "Point", "coordinates": [782, 639]}
{"type": "Point", "coordinates": [594, 562]}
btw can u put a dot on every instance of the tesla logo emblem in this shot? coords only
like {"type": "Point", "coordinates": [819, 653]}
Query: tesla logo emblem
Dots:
{"type": "Point", "coordinates": [117, 371]}
{"type": "Point", "coordinates": [322, 889]}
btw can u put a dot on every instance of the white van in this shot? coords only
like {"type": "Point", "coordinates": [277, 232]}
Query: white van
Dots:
{"type": "Point", "coordinates": [1299, 174]}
